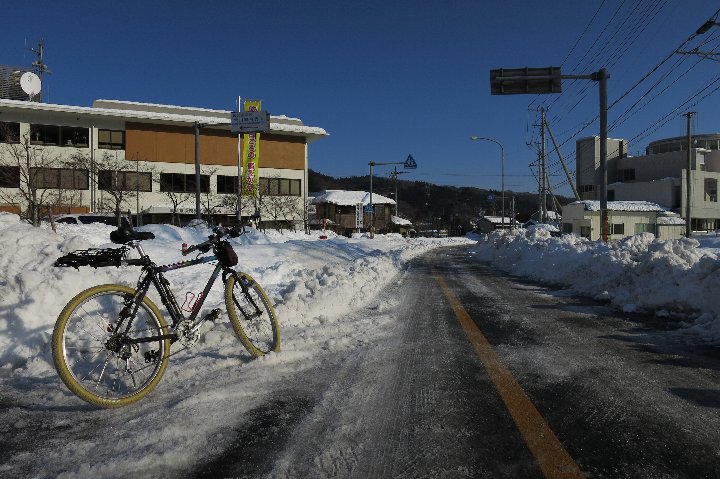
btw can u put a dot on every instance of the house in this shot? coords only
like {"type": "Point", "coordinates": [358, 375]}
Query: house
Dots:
{"type": "Point", "coordinates": [150, 150]}
{"type": "Point", "coordinates": [401, 226]}
{"type": "Point", "coordinates": [486, 224]}
{"type": "Point", "coordinates": [659, 176]}
{"type": "Point", "coordinates": [625, 218]}
{"type": "Point", "coordinates": [349, 211]}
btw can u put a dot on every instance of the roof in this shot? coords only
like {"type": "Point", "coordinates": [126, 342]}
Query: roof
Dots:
{"type": "Point", "coordinates": [399, 221]}
{"type": "Point", "coordinates": [497, 219]}
{"type": "Point", "coordinates": [350, 198]}
{"type": "Point", "coordinates": [644, 206]}
{"type": "Point", "coordinates": [168, 114]}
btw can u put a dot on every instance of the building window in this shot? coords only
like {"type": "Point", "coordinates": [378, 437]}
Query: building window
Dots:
{"type": "Point", "coordinates": [111, 139]}
{"type": "Point", "coordinates": [585, 231]}
{"type": "Point", "coordinates": [53, 135]}
{"type": "Point", "coordinates": [9, 132]}
{"type": "Point", "coordinates": [109, 180]}
{"type": "Point", "coordinates": [626, 175]}
{"type": "Point", "coordinates": [227, 184]}
{"type": "Point", "coordinates": [9, 176]}
{"type": "Point", "coordinates": [611, 195]}
{"type": "Point", "coordinates": [59, 178]}
{"type": "Point", "coordinates": [711, 190]}
{"type": "Point", "coordinates": [644, 228]}
{"type": "Point", "coordinates": [182, 183]}
{"type": "Point", "coordinates": [586, 188]}
{"type": "Point", "coordinates": [618, 229]}
{"type": "Point", "coordinates": [280, 187]}
{"type": "Point", "coordinates": [567, 228]}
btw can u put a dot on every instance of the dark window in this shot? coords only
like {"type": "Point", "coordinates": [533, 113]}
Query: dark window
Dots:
{"type": "Point", "coordinates": [226, 184]}
{"type": "Point", "coordinates": [618, 229]}
{"type": "Point", "coordinates": [111, 139]}
{"type": "Point", "coordinates": [279, 187]}
{"type": "Point", "coordinates": [59, 135]}
{"type": "Point", "coordinates": [124, 180]}
{"type": "Point", "coordinates": [585, 231]}
{"type": "Point", "coordinates": [627, 175]}
{"type": "Point", "coordinates": [567, 228]}
{"type": "Point", "coordinates": [9, 176]}
{"type": "Point", "coordinates": [587, 188]}
{"type": "Point", "coordinates": [644, 228]}
{"type": "Point", "coordinates": [9, 132]}
{"type": "Point", "coordinates": [181, 183]}
{"type": "Point", "coordinates": [59, 178]}
{"type": "Point", "coordinates": [611, 195]}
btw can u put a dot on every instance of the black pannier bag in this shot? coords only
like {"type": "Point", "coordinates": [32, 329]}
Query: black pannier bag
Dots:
{"type": "Point", "coordinates": [226, 254]}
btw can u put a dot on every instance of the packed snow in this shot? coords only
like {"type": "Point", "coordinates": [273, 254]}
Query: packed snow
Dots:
{"type": "Point", "coordinates": [676, 278]}
{"type": "Point", "coordinates": [311, 281]}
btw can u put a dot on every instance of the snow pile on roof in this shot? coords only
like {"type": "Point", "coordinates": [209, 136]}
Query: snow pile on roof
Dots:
{"type": "Point", "coordinates": [591, 205]}
{"type": "Point", "coordinates": [638, 273]}
{"type": "Point", "coordinates": [399, 221]}
{"type": "Point", "coordinates": [670, 220]}
{"type": "Point", "coordinates": [350, 198]}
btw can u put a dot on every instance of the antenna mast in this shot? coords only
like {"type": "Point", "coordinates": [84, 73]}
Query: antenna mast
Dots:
{"type": "Point", "coordinates": [38, 64]}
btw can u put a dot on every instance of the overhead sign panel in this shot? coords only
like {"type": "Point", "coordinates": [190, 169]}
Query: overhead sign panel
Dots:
{"type": "Point", "coordinates": [250, 122]}
{"type": "Point", "coordinates": [518, 81]}
{"type": "Point", "coordinates": [410, 163]}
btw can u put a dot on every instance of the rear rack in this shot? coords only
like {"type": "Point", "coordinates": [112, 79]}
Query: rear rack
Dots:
{"type": "Point", "coordinates": [94, 257]}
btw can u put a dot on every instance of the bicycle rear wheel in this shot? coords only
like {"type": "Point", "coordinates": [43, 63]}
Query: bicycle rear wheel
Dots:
{"type": "Point", "coordinates": [252, 315]}
{"type": "Point", "coordinates": [97, 362]}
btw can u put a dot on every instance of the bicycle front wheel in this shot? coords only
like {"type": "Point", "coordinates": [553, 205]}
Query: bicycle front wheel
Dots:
{"type": "Point", "coordinates": [97, 359]}
{"type": "Point", "coordinates": [252, 315]}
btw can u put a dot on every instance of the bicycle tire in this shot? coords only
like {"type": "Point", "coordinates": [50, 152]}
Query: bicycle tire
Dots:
{"type": "Point", "coordinates": [85, 364]}
{"type": "Point", "coordinates": [252, 315]}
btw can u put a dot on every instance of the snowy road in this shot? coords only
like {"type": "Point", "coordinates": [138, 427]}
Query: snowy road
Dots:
{"type": "Point", "coordinates": [405, 394]}
{"type": "Point", "coordinates": [622, 396]}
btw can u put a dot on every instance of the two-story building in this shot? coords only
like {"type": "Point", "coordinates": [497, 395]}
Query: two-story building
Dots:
{"type": "Point", "coordinates": [658, 177]}
{"type": "Point", "coordinates": [152, 149]}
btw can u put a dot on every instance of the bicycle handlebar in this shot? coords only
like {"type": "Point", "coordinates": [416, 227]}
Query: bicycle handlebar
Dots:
{"type": "Point", "coordinates": [220, 232]}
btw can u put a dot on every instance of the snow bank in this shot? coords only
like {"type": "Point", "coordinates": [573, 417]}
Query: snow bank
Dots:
{"type": "Point", "coordinates": [311, 281]}
{"type": "Point", "coordinates": [639, 273]}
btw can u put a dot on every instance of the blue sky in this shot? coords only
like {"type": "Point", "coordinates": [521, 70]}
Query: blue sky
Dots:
{"type": "Point", "coordinates": [388, 78]}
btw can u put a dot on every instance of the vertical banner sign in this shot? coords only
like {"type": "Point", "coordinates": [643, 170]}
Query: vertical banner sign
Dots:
{"type": "Point", "coordinates": [358, 215]}
{"type": "Point", "coordinates": [251, 156]}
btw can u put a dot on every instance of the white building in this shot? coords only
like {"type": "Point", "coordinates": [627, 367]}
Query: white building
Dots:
{"type": "Point", "coordinates": [159, 142]}
{"type": "Point", "coordinates": [625, 218]}
{"type": "Point", "coordinates": [659, 176]}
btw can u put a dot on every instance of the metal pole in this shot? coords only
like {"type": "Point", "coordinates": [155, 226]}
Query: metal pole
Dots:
{"type": "Point", "coordinates": [688, 182]}
{"type": "Point", "coordinates": [239, 170]}
{"type": "Point", "coordinates": [502, 180]}
{"type": "Point", "coordinates": [543, 175]}
{"type": "Point", "coordinates": [602, 77]}
{"type": "Point", "coordinates": [197, 171]}
{"type": "Point", "coordinates": [372, 209]}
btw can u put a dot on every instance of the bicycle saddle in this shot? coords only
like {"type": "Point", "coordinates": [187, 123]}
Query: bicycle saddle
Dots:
{"type": "Point", "coordinates": [124, 235]}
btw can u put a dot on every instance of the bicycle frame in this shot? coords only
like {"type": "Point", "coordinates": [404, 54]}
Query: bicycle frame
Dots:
{"type": "Point", "coordinates": [152, 274]}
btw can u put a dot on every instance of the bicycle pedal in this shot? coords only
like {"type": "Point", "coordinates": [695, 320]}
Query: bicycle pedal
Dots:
{"type": "Point", "coordinates": [213, 315]}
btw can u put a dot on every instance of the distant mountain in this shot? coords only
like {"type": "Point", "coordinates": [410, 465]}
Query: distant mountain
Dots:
{"type": "Point", "coordinates": [449, 206]}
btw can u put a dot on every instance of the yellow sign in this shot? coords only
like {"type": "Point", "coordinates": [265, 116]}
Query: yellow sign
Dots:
{"type": "Point", "coordinates": [251, 155]}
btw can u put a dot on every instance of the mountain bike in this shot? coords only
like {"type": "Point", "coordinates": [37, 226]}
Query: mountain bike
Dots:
{"type": "Point", "coordinates": [111, 343]}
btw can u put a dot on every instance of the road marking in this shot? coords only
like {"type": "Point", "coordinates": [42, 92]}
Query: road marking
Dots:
{"type": "Point", "coordinates": [553, 459]}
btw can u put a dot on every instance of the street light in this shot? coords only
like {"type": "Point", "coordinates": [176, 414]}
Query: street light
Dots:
{"type": "Point", "coordinates": [502, 174]}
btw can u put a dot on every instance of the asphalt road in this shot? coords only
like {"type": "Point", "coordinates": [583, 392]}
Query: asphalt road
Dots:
{"type": "Point", "coordinates": [482, 375]}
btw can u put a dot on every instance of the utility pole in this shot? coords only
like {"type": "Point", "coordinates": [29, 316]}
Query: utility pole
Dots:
{"type": "Point", "coordinates": [601, 77]}
{"type": "Point", "coordinates": [197, 171]}
{"type": "Point", "coordinates": [394, 174]}
{"type": "Point", "coordinates": [541, 172]}
{"type": "Point", "coordinates": [38, 64]}
{"type": "Point", "coordinates": [688, 177]}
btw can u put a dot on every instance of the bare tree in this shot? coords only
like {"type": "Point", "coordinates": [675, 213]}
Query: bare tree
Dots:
{"type": "Point", "coordinates": [119, 179]}
{"type": "Point", "coordinates": [176, 199]}
{"type": "Point", "coordinates": [36, 181]}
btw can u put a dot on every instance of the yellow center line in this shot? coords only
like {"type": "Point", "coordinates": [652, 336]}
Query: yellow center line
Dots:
{"type": "Point", "coordinates": [553, 459]}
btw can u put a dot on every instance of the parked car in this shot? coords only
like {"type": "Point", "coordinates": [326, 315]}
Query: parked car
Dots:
{"type": "Point", "coordinates": [89, 218]}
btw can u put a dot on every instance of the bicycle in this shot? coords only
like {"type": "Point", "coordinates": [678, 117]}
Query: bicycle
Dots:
{"type": "Point", "coordinates": [111, 344]}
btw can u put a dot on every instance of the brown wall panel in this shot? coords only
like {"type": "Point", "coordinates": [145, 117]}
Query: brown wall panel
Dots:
{"type": "Point", "coordinates": [172, 144]}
